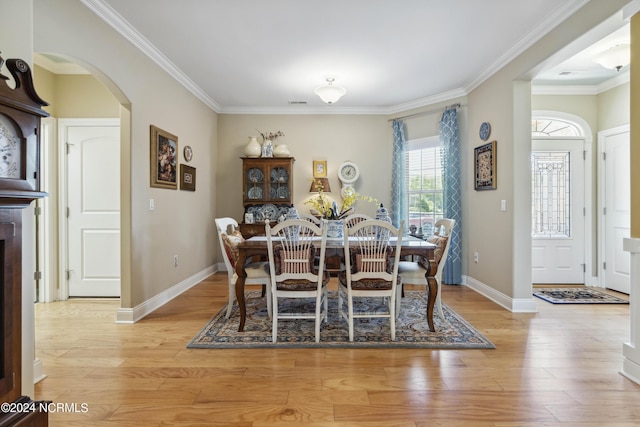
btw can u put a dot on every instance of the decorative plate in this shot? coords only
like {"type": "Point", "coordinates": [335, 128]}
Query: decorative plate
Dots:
{"type": "Point", "coordinates": [279, 175]}
{"type": "Point", "coordinates": [283, 193]}
{"type": "Point", "coordinates": [188, 153]}
{"type": "Point", "coordinates": [255, 175]}
{"type": "Point", "coordinates": [255, 193]}
{"type": "Point", "coordinates": [485, 131]}
{"type": "Point", "coordinates": [270, 212]}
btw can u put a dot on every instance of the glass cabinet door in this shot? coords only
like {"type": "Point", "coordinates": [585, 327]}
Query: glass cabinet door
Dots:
{"type": "Point", "coordinates": [255, 184]}
{"type": "Point", "coordinates": [279, 189]}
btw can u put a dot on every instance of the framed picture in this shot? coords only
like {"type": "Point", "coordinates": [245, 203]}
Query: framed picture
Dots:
{"type": "Point", "coordinates": [486, 164]}
{"type": "Point", "coordinates": [164, 156]}
{"type": "Point", "coordinates": [319, 168]}
{"type": "Point", "coordinates": [187, 178]}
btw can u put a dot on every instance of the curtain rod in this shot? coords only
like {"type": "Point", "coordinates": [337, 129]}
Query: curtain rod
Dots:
{"type": "Point", "coordinates": [424, 113]}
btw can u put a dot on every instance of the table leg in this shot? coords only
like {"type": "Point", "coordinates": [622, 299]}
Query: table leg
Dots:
{"type": "Point", "coordinates": [240, 289]}
{"type": "Point", "coordinates": [433, 293]}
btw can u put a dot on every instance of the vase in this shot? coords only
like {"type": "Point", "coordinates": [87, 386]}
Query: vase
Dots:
{"type": "Point", "coordinates": [335, 229]}
{"type": "Point", "coordinates": [253, 148]}
{"type": "Point", "coordinates": [281, 150]}
{"type": "Point", "coordinates": [267, 148]}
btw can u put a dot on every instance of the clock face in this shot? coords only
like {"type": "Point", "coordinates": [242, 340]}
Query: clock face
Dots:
{"type": "Point", "coordinates": [348, 172]}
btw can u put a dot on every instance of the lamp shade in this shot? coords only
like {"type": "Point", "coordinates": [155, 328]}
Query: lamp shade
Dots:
{"type": "Point", "coordinates": [320, 184]}
{"type": "Point", "coordinates": [330, 93]}
{"type": "Point", "coordinates": [614, 58]}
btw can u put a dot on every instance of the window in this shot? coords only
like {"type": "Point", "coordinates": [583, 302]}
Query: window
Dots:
{"type": "Point", "coordinates": [423, 166]}
{"type": "Point", "coordinates": [553, 127]}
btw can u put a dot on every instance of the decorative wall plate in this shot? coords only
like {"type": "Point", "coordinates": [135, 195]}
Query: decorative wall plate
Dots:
{"type": "Point", "coordinates": [188, 153]}
{"type": "Point", "coordinates": [485, 131]}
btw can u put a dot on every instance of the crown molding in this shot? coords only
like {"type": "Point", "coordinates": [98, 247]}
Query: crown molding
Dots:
{"type": "Point", "coordinates": [558, 16]}
{"type": "Point", "coordinates": [118, 23]}
{"type": "Point", "coordinates": [58, 67]}
{"type": "Point", "coordinates": [581, 89]}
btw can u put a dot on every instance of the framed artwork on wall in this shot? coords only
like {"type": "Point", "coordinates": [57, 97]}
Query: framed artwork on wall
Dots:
{"type": "Point", "coordinates": [486, 166]}
{"type": "Point", "coordinates": [164, 156]}
{"type": "Point", "coordinates": [187, 178]}
{"type": "Point", "coordinates": [319, 168]}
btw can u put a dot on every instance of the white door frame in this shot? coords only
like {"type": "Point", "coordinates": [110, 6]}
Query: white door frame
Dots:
{"type": "Point", "coordinates": [46, 233]}
{"type": "Point", "coordinates": [583, 126]}
{"type": "Point", "coordinates": [601, 197]}
{"type": "Point", "coordinates": [63, 243]}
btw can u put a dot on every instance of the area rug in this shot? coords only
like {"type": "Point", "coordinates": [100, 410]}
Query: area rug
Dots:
{"type": "Point", "coordinates": [412, 330]}
{"type": "Point", "coordinates": [576, 296]}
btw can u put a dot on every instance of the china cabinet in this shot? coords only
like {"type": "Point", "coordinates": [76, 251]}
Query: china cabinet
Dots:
{"type": "Point", "coordinates": [267, 191]}
{"type": "Point", "coordinates": [20, 114]}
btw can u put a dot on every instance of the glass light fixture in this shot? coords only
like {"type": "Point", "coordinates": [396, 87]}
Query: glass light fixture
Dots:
{"type": "Point", "coordinates": [614, 58]}
{"type": "Point", "coordinates": [330, 93]}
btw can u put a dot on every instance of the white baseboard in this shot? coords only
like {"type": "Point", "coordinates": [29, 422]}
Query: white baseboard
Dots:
{"type": "Point", "coordinates": [38, 373]}
{"type": "Point", "coordinates": [515, 305]}
{"type": "Point", "coordinates": [132, 315]}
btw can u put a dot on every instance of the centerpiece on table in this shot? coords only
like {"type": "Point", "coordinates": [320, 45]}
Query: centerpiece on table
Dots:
{"type": "Point", "coordinates": [329, 210]}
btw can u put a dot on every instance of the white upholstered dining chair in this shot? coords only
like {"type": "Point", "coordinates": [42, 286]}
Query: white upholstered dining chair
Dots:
{"type": "Point", "coordinates": [371, 270]}
{"type": "Point", "coordinates": [257, 272]}
{"type": "Point", "coordinates": [292, 246]}
{"type": "Point", "coordinates": [413, 272]}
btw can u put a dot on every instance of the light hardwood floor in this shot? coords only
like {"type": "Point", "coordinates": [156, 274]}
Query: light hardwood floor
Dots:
{"type": "Point", "coordinates": [555, 367]}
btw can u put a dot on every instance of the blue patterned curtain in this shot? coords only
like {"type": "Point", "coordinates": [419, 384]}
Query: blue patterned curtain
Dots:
{"type": "Point", "coordinates": [450, 138]}
{"type": "Point", "coordinates": [398, 196]}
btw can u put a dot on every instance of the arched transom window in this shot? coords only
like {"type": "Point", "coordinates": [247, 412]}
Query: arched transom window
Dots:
{"type": "Point", "coordinates": [553, 127]}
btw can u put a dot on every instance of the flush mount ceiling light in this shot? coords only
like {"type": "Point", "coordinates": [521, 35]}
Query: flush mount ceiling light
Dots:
{"type": "Point", "coordinates": [614, 58]}
{"type": "Point", "coordinates": [330, 93]}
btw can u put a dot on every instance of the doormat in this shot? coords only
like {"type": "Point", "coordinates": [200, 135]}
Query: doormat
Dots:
{"type": "Point", "coordinates": [412, 330]}
{"type": "Point", "coordinates": [577, 296]}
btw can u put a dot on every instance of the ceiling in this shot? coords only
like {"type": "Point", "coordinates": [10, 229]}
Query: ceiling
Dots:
{"type": "Point", "coordinates": [263, 56]}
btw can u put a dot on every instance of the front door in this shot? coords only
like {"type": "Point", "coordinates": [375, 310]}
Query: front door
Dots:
{"type": "Point", "coordinates": [93, 212]}
{"type": "Point", "coordinates": [558, 224]}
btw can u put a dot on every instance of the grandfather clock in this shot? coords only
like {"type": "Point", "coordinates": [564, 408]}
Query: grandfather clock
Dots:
{"type": "Point", "coordinates": [20, 114]}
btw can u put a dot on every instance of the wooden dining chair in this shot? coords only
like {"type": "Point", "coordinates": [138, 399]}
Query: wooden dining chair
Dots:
{"type": "Point", "coordinates": [371, 270]}
{"type": "Point", "coordinates": [257, 272]}
{"type": "Point", "coordinates": [413, 272]}
{"type": "Point", "coordinates": [310, 218]}
{"type": "Point", "coordinates": [355, 218]}
{"type": "Point", "coordinates": [292, 246]}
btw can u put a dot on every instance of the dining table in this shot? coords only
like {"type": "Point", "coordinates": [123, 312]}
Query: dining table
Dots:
{"type": "Point", "coordinates": [256, 246]}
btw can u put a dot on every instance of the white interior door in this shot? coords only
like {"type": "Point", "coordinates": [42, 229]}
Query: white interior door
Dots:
{"type": "Point", "coordinates": [93, 220]}
{"type": "Point", "coordinates": [558, 222]}
{"type": "Point", "coordinates": [617, 209]}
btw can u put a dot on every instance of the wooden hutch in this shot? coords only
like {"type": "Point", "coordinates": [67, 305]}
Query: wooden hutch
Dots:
{"type": "Point", "coordinates": [267, 191]}
{"type": "Point", "coordinates": [20, 114]}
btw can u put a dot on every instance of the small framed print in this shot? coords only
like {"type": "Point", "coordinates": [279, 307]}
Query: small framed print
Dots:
{"type": "Point", "coordinates": [486, 166]}
{"type": "Point", "coordinates": [248, 218]}
{"type": "Point", "coordinates": [187, 178]}
{"type": "Point", "coordinates": [164, 156]}
{"type": "Point", "coordinates": [319, 168]}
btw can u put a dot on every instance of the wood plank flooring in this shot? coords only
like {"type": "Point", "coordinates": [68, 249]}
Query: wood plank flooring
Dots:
{"type": "Point", "coordinates": [559, 366]}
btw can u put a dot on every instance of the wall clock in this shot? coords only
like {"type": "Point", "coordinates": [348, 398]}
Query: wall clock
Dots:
{"type": "Point", "coordinates": [485, 131]}
{"type": "Point", "coordinates": [348, 172]}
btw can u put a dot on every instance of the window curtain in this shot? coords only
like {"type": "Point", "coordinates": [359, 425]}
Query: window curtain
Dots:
{"type": "Point", "coordinates": [450, 139]}
{"type": "Point", "coordinates": [398, 194]}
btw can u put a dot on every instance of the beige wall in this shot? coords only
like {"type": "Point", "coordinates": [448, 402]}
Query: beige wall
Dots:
{"type": "Point", "coordinates": [614, 107]}
{"type": "Point", "coordinates": [75, 96]}
{"type": "Point", "coordinates": [181, 220]}
{"type": "Point", "coordinates": [364, 140]}
{"type": "Point", "coordinates": [503, 238]}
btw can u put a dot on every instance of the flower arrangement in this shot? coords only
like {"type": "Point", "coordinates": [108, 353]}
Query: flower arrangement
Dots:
{"type": "Point", "coordinates": [329, 210]}
{"type": "Point", "coordinates": [271, 135]}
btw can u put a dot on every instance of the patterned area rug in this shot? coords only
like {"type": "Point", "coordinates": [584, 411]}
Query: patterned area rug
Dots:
{"type": "Point", "coordinates": [412, 330]}
{"type": "Point", "coordinates": [576, 296]}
